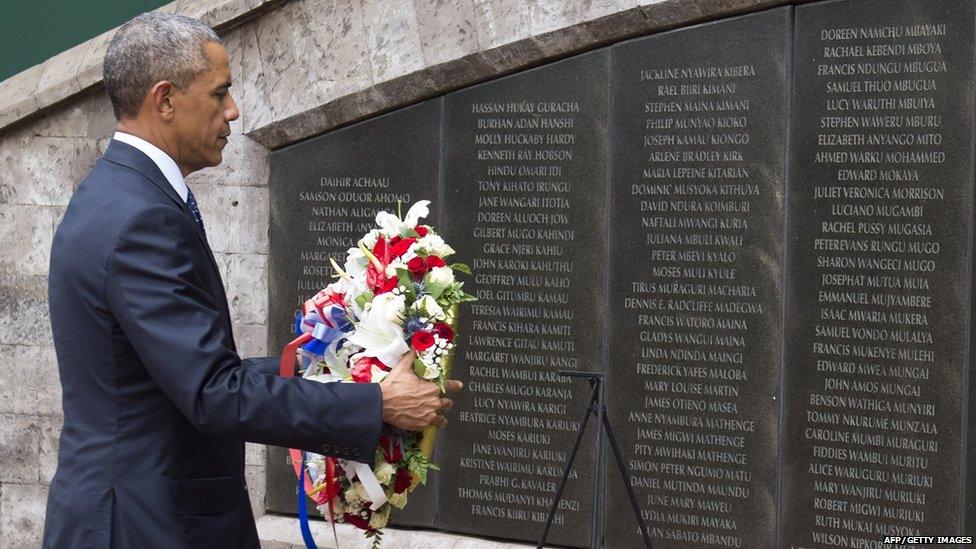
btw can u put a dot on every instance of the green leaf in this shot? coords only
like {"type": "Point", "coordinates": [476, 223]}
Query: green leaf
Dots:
{"type": "Point", "coordinates": [419, 367]}
{"type": "Point", "coordinates": [403, 276]}
{"type": "Point", "coordinates": [364, 298]}
{"type": "Point", "coordinates": [461, 268]}
{"type": "Point", "coordinates": [435, 290]}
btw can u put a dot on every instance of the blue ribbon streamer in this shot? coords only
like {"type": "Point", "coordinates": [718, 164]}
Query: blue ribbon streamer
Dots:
{"type": "Point", "coordinates": [303, 509]}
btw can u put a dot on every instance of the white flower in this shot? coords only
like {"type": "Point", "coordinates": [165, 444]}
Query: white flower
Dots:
{"type": "Point", "coordinates": [432, 371]}
{"type": "Point", "coordinates": [398, 500]}
{"type": "Point", "coordinates": [352, 495]}
{"type": "Point", "coordinates": [371, 238]}
{"type": "Point", "coordinates": [389, 224]}
{"type": "Point", "coordinates": [428, 307]}
{"type": "Point", "coordinates": [435, 245]}
{"type": "Point", "coordinates": [417, 212]}
{"type": "Point", "coordinates": [361, 491]}
{"type": "Point", "coordinates": [356, 262]}
{"type": "Point", "coordinates": [380, 329]}
{"type": "Point", "coordinates": [391, 269]}
{"type": "Point", "coordinates": [442, 276]}
{"type": "Point", "coordinates": [384, 472]}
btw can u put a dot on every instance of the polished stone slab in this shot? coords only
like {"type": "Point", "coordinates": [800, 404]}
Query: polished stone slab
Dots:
{"type": "Point", "coordinates": [325, 193]}
{"type": "Point", "coordinates": [880, 209]}
{"type": "Point", "coordinates": [524, 172]}
{"type": "Point", "coordinates": [698, 151]}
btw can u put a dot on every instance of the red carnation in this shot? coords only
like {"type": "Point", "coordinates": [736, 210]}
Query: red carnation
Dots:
{"type": "Point", "coordinates": [434, 261]}
{"type": "Point", "coordinates": [444, 331]}
{"type": "Point", "coordinates": [421, 231]}
{"type": "Point", "coordinates": [421, 341]}
{"type": "Point", "coordinates": [356, 520]}
{"type": "Point", "coordinates": [403, 481]}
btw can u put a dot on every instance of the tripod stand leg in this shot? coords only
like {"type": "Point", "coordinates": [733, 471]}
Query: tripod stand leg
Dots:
{"type": "Point", "coordinates": [569, 466]}
{"type": "Point", "coordinates": [626, 477]}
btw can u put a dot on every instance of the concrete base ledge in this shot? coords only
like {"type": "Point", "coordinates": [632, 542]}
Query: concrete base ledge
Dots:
{"type": "Point", "coordinates": [281, 532]}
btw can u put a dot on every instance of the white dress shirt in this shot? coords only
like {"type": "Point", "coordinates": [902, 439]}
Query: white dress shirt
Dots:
{"type": "Point", "coordinates": [166, 164]}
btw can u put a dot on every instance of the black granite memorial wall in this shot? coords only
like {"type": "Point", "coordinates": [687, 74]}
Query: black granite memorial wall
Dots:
{"type": "Point", "coordinates": [699, 139]}
{"type": "Point", "coordinates": [760, 228]}
{"type": "Point", "coordinates": [327, 192]}
{"type": "Point", "coordinates": [879, 281]}
{"type": "Point", "coordinates": [525, 164]}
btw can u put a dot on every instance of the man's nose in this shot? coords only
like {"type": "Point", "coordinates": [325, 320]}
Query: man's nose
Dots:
{"type": "Point", "coordinates": [231, 113]}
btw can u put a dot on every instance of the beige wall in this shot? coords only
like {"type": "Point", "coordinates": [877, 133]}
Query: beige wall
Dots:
{"type": "Point", "coordinates": [301, 67]}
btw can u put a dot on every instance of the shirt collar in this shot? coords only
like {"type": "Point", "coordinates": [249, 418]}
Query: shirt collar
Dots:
{"type": "Point", "coordinates": [162, 160]}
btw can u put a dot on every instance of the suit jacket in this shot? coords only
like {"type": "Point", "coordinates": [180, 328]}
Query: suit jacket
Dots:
{"type": "Point", "coordinates": [156, 400]}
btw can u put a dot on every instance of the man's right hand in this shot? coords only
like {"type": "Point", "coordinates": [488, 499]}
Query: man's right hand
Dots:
{"type": "Point", "coordinates": [411, 403]}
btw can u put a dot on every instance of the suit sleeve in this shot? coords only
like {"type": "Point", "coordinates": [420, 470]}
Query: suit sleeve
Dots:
{"type": "Point", "coordinates": [268, 365]}
{"type": "Point", "coordinates": [157, 289]}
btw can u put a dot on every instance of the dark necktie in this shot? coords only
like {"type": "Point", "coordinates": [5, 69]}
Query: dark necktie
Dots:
{"type": "Point", "coordinates": [192, 203]}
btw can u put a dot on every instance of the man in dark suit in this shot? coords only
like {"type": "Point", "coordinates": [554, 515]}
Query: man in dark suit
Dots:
{"type": "Point", "coordinates": [156, 400]}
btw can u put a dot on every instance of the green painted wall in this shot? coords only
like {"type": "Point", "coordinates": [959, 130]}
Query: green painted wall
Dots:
{"type": "Point", "coordinates": [34, 30]}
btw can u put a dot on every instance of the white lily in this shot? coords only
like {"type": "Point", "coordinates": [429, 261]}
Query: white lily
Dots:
{"type": "Point", "coordinates": [380, 329]}
{"type": "Point", "coordinates": [389, 224]}
{"type": "Point", "coordinates": [355, 262]}
{"type": "Point", "coordinates": [417, 212]}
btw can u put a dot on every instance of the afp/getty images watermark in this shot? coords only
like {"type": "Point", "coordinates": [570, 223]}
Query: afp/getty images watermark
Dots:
{"type": "Point", "coordinates": [927, 540]}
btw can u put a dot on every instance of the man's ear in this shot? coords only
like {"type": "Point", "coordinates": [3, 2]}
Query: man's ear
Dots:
{"type": "Point", "coordinates": [161, 99]}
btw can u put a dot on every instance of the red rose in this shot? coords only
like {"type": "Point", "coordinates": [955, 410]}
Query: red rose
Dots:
{"type": "Point", "coordinates": [420, 230]}
{"type": "Point", "coordinates": [356, 520]}
{"type": "Point", "coordinates": [403, 481]}
{"type": "Point", "coordinates": [434, 261]}
{"type": "Point", "coordinates": [421, 341]}
{"type": "Point", "coordinates": [444, 331]}
{"type": "Point", "coordinates": [417, 267]}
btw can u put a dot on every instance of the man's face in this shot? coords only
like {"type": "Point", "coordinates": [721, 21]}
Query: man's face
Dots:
{"type": "Point", "coordinates": [203, 112]}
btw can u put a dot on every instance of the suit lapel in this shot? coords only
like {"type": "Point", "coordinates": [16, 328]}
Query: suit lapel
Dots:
{"type": "Point", "coordinates": [129, 156]}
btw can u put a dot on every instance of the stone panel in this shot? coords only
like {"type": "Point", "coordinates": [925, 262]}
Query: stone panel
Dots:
{"type": "Point", "coordinates": [325, 193]}
{"type": "Point", "coordinates": [524, 169]}
{"type": "Point", "coordinates": [23, 310]}
{"type": "Point", "coordinates": [19, 446]}
{"type": "Point", "coordinates": [252, 339]}
{"type": "Point", "coordinates": [696, 259]}
{"type": "Point", "coordinates": [236, 217]}
{"type": "Point", "coordinates": [880, 232]}
{"type": "Point", "coordinates": [25, 239]}
{"type": "Point", "coordinates": [43, 171]}
{"type": "Point", "coordinates": [22, 515]}
{"type": "Point", "coordinates": [245, 279]}
{"type": "Point", "coordinates": [36, 393]}
{"type": "Point", "coordinates": [50, 439]}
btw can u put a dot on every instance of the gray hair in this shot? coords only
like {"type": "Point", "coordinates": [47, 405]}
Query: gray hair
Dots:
{"type": "Point", "coordinates": [150, 48]}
